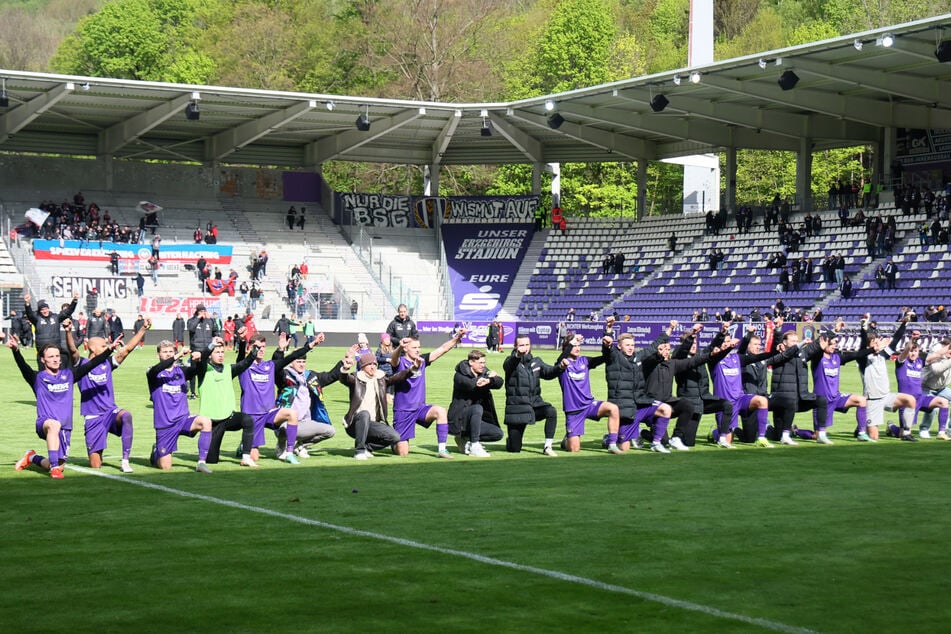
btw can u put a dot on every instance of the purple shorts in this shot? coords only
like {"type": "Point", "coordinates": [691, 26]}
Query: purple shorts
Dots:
{"type": "Point", "coordinates": [65, 435]}
{"type": "Point", "coordinates": [574, 421]}
{"type": "Point", "coordinates": [97, 427]}
{"type": "Point", "coordinates": [631, 431]}
{"type": "Point", "coordinates": [166, 438]}
{"type": "Point", "coordinates": [741, 407]}
{"type": "Point", "coordinates": [260, 422]}
{"type": "Point", "coordinates": [924, 401]}
{"type": "Point", "coordinates": [405, 421]}
{"type": "Point", "coordinates": [836, 404]}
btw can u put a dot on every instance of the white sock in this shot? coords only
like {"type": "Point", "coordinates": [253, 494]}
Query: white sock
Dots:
{"type": "Point", "coordinates": [442, 446]}
{"type": "Point", "coordinates": [549, 441]}
{"type": "Point", "coordinates": [785, 435]}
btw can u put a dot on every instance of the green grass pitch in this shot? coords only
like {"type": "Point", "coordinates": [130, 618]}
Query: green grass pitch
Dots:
{"type": "Point", "coordinates": [833, 539]}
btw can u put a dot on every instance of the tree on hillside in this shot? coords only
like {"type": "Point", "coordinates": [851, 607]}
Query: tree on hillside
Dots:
{"type": "Point", "coordinates": [139, 39]}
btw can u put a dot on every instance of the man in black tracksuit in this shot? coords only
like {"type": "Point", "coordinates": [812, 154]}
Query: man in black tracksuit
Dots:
{"type": "Point", "coordinates": [46, 323]}
{"type": "Point", "coordinates": [694, 385]}
{"type": "Point", "coordinates": [791, 386]}
{"type": "Point", "coordinates": [523, 395]}
{"type": "Point", "coordinates": [627, 387]}
{"type": "Point", "coordinates": [754, 363]}
{"type": "Point", "coordinates": [660, 371]}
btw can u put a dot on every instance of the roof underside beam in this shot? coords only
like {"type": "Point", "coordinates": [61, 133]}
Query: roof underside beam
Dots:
{"type": "Point", "coordinates": [339, 144]}
{"type": "Point", "coordinates": [900, 85]}
{"type": "Point", "coordinates": [868, 111]}
{"type": "Point", "coordinates": [445, 137]}
{"type": "Point", "coordinates": [21, 116]}
{"type": "Point", "coordinates": [224, 143]}
{"type": "Point", "coordinates": [625, 146]}
{"type": "Point", "coordinates": [112, 139]}
{"type": "Point", "coordinates": [523, 142]}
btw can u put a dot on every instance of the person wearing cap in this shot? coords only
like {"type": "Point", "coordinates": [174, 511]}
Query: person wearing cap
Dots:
{"type": "Point", "coordinates": [577, 400]}
{"type": "Point", "coordinates": [97, 397]}
{"type": "Point", "coordinates": [409, 403]}
{"type": "Point", "coordinates": [363, 344]}
{"type": "Point", "coordinates": [202, 329]}
{"type": "Point", "coordinates": [258, 386]}
{"type": "Point", "coordinates": [472, 417]}
{"type": "Point", "coordinates": [877, 385]}
{"type": "Point", "coordinates": [302, 390]}
{"type": "Point", "coordinates": [46, 323]}
{"type": "Point", "coordinates": [366, 418]}
{"type": "Point", "coordinates": [935, 379]}
{"type": "Point", "coordinates": [53, 387]}
{"type": "Point", "coordinates": [826, 361]}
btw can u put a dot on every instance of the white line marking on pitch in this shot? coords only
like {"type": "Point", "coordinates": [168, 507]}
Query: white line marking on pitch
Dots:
{"type": "Point", "coordinates": [544, 572]}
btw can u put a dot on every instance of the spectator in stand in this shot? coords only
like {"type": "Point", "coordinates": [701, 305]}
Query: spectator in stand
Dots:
{"type": "Point", "coordinates": [891, 273]}
{"type": "Point", "coordinates": [291, 217]}
{"type": "Point", "coordinates": [301, 219]}
{"type": "Point", "coordinates": [846, 288]}
{"type": "Point", "coordinates": [198, 236]}
{"type": "Point", "coordinates": [139, 284]}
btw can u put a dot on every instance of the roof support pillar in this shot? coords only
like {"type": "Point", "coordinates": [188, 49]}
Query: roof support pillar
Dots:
{"type": "Point", "coordinates": [804, 175]}
{"type": "Point", "coordinates": [731, 179]}
{"type": "Point", "coordinates": [641, 211]}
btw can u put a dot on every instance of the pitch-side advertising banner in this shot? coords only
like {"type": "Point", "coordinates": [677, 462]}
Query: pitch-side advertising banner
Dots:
{"type": "Point", "coordinates": [483, 261]}
{"type": "Point", "coordinates": [99, 251]}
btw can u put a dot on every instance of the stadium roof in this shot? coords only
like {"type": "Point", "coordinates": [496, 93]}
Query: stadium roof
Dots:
{"type": "Point", "coordinates": [849, 90]}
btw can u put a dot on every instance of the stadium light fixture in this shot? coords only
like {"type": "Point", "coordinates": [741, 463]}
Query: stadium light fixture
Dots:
{"type": "Point", "coordinates": [762, 63]}
{"type": "Point", "coordinates": [943, 51]}
{"type": "Point", "coordinates": [858, 45]}
{"type": "Point", "coordinates": [788, 80]}
{"type": "Point", "coordinates": [549, 105]}
{"type": "Point", "coordinates": [331, 106]}
{"type": "Point", "coordinates": [695, 77]}
{"type": "Point", "coordinates": [676, 80]}
{"type": "Point", "coordinates": [363, 121]}
{"type": "Point", "coordinates": [887, 40]}
{"type": "Point", "coordinates": [659, 102]}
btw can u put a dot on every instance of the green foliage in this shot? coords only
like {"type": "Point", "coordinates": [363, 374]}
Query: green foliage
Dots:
{"type": "Point", "coordinates": [138, 39]}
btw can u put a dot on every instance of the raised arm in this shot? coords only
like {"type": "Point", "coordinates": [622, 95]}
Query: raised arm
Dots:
{"type": "Point", "coordinates": [125, 350]}
{"type": "Point", "coordinates": [447, 346]}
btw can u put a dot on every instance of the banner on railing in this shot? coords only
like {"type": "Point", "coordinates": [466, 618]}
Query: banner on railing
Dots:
{"type": "Point", "coordinates": [392, 210]}
{"type": "Point", "coordinates": [76, 250]}
{"type": "Point", "coordinates": [482, 264]}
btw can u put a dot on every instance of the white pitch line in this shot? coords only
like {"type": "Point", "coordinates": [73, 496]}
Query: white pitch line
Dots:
{"type": "Point", "coordinates": [492, 561]}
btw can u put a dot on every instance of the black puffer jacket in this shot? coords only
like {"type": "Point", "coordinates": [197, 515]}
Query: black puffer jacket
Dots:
{"type": "Point", "coordinates": [627, 387]}
{"type": "Point", "coordinates": [465, 393]}
{"type": "Point", "coordinates": [523, 391]}
{"type": "Point", "coordinates": [791, 378]}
